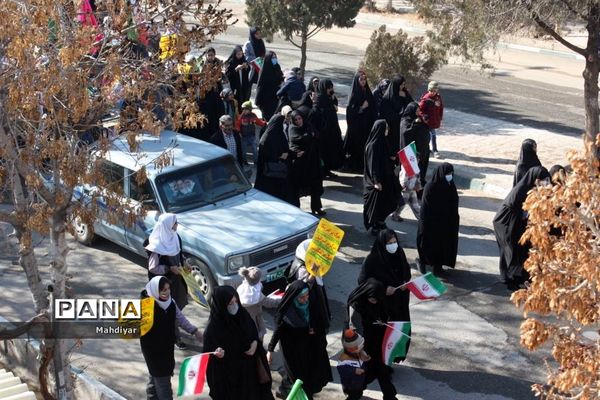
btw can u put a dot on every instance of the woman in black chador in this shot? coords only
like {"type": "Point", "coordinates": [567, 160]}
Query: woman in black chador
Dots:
{"type": "Point", "coordinates": [387, 263]}
{"type": "Point", "coordinates": [393, 103]}
{"type": "Point", "coordinates": [273, 153]}
{"type": "Point", "coordinates": [293, 330]}
{"type": "Point", "coordinates": [267, 86]}
{"type": "Point", "coordinates": [305, 174]}
{"type": "Point", "coordinates": [437, 235]}
{"type": "Point", "coordinates": [365, 311]}
{"type": "Point", "coordinates": [527, 159]}
{"type": "Point", "coordinates": [381, 189]}
{"type": "Point", "coordinates": [325, 123]}
{"type": "Point", "coordinates": [232, 334]}
{"type": "Point", "coordinates": [509, 225]}
{"type": "Point", "coordinates": [360, 115]}
{"type": "Point", "coordinates": [237, 70]}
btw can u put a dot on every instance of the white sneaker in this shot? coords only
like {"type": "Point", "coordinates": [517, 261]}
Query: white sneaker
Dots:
{"type": "Point", "coordinates": [437, 154]}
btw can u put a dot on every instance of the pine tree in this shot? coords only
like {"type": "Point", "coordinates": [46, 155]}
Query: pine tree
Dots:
{"type": "Point", "coordinates": [300, 20]}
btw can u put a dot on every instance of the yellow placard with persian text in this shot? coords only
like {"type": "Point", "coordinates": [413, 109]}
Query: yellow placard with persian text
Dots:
{"type": "Point", "coordinates": [147, 315]}
{"type": "Point", "coordinates": [135, 328]}
{"type": "Point", "coordinates": [323, 248]}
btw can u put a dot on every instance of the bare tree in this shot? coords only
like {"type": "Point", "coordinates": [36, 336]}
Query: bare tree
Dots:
{"type": "Point", "coordinates": [61, 71]}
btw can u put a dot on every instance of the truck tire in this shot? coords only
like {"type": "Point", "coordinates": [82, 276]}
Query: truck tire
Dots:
{"type": "Point", "coordinates": [205, 280]}
{"type": "Point", "coordinates": [83, 232]}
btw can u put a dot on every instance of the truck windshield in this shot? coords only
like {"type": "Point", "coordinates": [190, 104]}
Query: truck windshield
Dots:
{"type": "Point", "coordinates": [201, 184]}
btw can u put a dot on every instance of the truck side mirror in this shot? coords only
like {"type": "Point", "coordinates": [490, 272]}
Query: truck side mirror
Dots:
{"type": "Point", "coordinates": [150, 204]}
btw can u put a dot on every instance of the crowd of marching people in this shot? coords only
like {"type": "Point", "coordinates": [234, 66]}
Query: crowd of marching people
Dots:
{"type": "Point", "coordinates": [293, 146]}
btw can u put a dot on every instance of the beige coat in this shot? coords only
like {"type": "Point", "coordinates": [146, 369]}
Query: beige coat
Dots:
{"type": "Point", "coordinates": [256, 312]}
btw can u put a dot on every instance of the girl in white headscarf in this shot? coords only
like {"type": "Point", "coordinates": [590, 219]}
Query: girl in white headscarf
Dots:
{"type": "Point", "coordinates": [165, 259]}
{"type": "Point", "coordinates": [157, 343]}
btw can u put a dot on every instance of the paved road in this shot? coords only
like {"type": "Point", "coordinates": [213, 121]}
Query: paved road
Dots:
{"type": "Point", "coordinates": [537, 90]}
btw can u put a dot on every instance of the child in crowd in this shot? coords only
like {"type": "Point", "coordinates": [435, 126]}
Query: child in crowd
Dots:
{"type": "Point", "coordinates": [351, 365]}
{"type": "Point", "coordinates": [252, 298]}
{"type": "Point", "coordinates": [246, 125]}
{"type": "Point", "coordinates": [230, 104]}
{"type": "Point", "coordinates": [411, 185]}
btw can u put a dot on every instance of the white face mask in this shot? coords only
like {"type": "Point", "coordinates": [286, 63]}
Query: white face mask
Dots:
{"type": "Point", "coordinates": [391, 247]}
{"type": "Point", "coordinates": [233, 308]}
{"type": "Point", "coordinates": [449, 178]}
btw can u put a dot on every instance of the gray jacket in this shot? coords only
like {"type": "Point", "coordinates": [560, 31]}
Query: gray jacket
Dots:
{"type": "Point", "coordinates": [256, 312]}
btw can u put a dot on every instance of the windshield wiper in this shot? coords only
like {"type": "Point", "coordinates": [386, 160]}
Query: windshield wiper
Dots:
{"type": "Point", "coordinates": [231, 192]}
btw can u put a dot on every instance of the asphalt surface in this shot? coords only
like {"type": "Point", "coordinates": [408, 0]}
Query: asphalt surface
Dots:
{"type": "Point", "coordinates": [550, 98]}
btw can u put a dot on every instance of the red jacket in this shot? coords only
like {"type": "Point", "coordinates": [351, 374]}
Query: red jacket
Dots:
{"type": "Point", "coordinates": [432, 109]}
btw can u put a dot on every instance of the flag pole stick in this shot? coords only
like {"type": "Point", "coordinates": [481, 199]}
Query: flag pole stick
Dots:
{"type": "Point", "coordinates": [391, 327]}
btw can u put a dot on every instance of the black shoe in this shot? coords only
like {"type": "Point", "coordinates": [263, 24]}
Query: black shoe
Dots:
{"type": "Point", "coordinates": [422, 268]}
{"type": "Point", "coordinates": [319, 213]}
{"type": "Point", "coordinates": [180, 345]}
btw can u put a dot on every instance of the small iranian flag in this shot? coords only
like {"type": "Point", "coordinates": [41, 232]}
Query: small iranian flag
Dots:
{"type": "Point", "coordinates": [277, 294]}
{"type": "Point", "coordinates": [395, 341]}
{"type": "Point", "coordinates": [408, 159]}
{"type": "Point", "coordinates": [426, 287]}
{"type": "Point", "coordinates": [192, 374]}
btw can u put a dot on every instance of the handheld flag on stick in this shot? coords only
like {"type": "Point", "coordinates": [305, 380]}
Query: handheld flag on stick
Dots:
{"type": "Point", "coordinates": [408, 159]}
{"type": "Point", "coordinates": [277, 294]}
{"type": "Point", "coordinates": [396, 341]}
{"type": "Point", "coordinates": [257, 64]}
{"type": "Point", "coordinates": [192, 374]}
{"type": "Point", "coordinates": [426, 287]}
{"type": "Point", "coordinates": [297, 393]}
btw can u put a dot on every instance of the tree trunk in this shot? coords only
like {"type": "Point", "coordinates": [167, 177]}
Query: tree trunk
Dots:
{"type": "Point", "coordinates": [590, 76]}
{"type": "Point", "coordinates": [27, 258]}
{"type": "Point", "coordinates": [304, 38]}
{"type": "Point", "coordinates": [58, 256]}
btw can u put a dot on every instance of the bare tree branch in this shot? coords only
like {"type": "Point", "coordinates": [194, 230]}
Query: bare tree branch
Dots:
{"type": "Point", "coordinates": [570, 7]}
{"type": "Point", "coordinates": [542, 24]}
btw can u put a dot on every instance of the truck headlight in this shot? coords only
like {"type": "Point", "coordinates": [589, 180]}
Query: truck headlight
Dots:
{"type": "Point", "coordinates": [237, 262]}
{"type": "Point", "coordinates": [311, 232]}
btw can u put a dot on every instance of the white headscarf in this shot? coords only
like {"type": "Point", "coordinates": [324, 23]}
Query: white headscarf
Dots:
{"type": "Point", "coordinates": [153, 290]}
{"type": "Point", "coordinates": [301, 249]}
{"type": "Point", "coordinates": [164, 240]}
{"type": "Point", "coordinates": [302, 273]}
{"type": "Point", "coordinates": [249, 294]}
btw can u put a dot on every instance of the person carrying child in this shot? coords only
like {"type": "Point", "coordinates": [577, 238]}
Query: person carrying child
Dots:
{"type": "Point", "coordinates": [252, 298]}
{"type": "Point", "coordinates": [246, 125]}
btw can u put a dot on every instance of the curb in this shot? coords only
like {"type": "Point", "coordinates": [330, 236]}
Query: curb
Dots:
{"type": "Point", "coordinates": [23, 352]}
{"type": "Point", "coordinates": [465, 180]}
{"type": "Point", "coordinates": [539, 50]}
{"type": "Point", "coordinates": [366, 19]}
